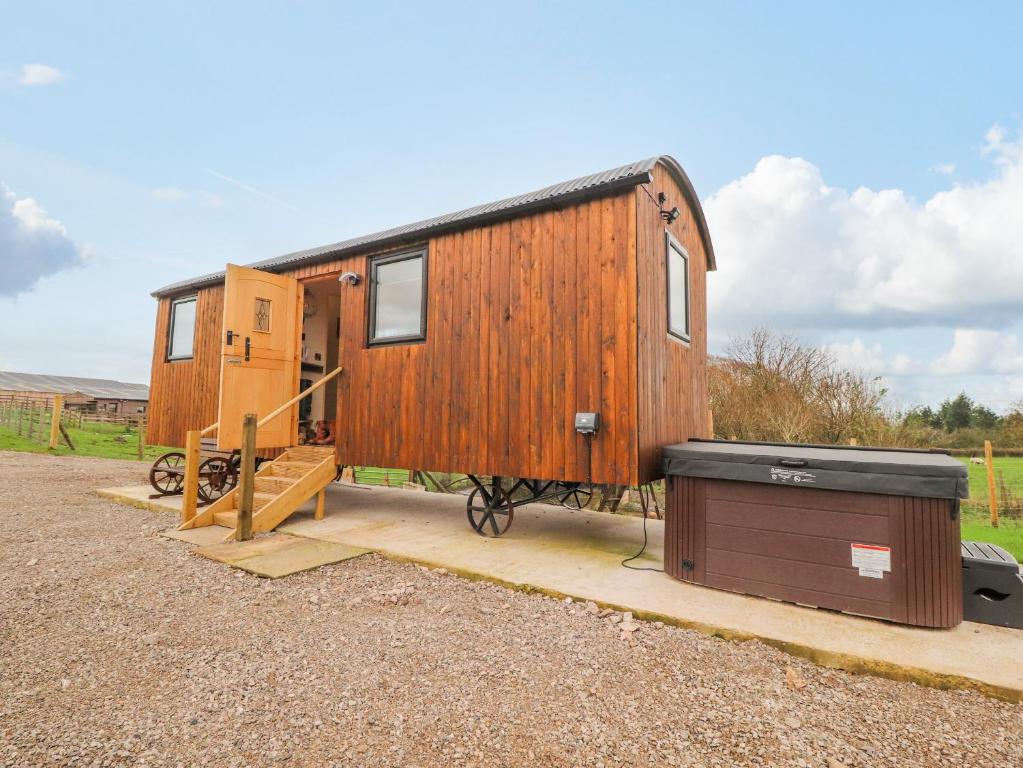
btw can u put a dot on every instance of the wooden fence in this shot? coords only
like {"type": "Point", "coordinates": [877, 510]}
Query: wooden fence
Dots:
{"type": "Point", "coordinates": [46, 420]}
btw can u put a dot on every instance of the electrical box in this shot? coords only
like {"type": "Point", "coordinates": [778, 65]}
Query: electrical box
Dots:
{"type": "Point", "coordinates": [587, 423]}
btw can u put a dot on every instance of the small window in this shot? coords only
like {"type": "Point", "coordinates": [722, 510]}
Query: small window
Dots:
{"type": "Point", "coordinates": [397, 299]}
{"type": "Point", "coordinates": [678, 288]}
{"type": "Point", "coordinates": [181, 336]}
{"type": "Point", "coordinates": [262, 319]}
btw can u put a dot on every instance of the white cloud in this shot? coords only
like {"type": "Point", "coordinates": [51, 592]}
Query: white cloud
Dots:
{"type": "Point", "coordinates": [32, 245]}
{"type": "Point", "coordinates": [797, 253]}
{"type": "Point", "coordinates": [173, 194]}
{"type": "Point", "coordinates": [857, 356]}
{"type": "Point", "coordinates": [945, 169]}
{"type": "Point", "coordinates": [980, 351]}
{"type": "Point", "coordinates": [40, 74]}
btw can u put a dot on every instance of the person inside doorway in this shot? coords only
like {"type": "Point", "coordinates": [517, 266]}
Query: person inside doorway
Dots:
{"type": "Point", "coordinates": [324, 433]}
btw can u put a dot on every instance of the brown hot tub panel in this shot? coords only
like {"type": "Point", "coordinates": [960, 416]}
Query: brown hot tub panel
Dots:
{"type": "Point", "coordinates": [735, 522]}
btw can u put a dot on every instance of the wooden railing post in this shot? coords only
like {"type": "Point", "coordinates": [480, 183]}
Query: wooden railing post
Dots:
{"type": "Point", "coordinates": [247, 478]}
{"type": "Point", "coordinates": [992, 498]}
{"type": "Point", "coordinates": [58, 408]}
{"type": "Point", "coordinates": [191, 486]}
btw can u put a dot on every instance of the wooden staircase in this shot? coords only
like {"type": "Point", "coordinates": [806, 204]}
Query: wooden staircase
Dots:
{"type": "Point", "coordinates": [281, 487]}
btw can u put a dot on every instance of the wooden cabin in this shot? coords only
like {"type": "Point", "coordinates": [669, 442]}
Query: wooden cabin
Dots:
{"type": "Point", "coordinates": [468, 342]}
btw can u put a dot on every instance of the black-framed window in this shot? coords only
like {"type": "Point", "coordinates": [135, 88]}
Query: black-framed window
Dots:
{"type": "Point", "coordinates": [181, 332]}
{"type": "Point", "coordinates": [678, 287]}
{"type": "Point", "coordinates": [397, 298]}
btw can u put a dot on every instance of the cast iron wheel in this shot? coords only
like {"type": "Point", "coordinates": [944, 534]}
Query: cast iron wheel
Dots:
{"type": "Point", "coordinates": [573, 495]}
{"type": "Point", "coordinates": [167, 474]}
{"type": "Point", "coordinates": [490, 509]}
{"type": "Point", "coordinates": [217, 476]}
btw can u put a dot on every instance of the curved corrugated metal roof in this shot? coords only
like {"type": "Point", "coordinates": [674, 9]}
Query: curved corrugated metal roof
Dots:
{"type": "Point", "coordinates": [556, 195]}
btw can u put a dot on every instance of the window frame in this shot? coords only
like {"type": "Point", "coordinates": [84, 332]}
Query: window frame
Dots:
{"type": "Point", "coordinates": [671, 243]}
{"type": "Point", "coordinates": [175, 303]}
{"type": "Point", "coordinates": [371, 321]}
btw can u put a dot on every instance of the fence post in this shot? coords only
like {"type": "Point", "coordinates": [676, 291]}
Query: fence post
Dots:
{"type": "Point", "coordinates": [247, 479]}
{"type": "Point", "coordinates": [142, 438]}
{"type": "Point", "coordinates": [992, 499]}
{"type": "Point", "coordinates": [191, 487]}
{"type": "Point", "coordinates": [58, 407]}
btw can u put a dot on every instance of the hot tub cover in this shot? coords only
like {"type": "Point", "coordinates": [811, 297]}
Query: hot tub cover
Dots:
{"type": "Point", "coordinates": [841, 468]}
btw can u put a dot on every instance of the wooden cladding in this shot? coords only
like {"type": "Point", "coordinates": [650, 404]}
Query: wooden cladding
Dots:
{"type": "Point", "coordinates": [184, 394]}
{"type": "Point", "coordinates": [795, 544]}
{"type": "Point", "coordinates": [528, 321]}
{"type": "Point", "coordinates": [672, 374]}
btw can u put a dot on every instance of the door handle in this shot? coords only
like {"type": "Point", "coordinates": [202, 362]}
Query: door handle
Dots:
{"type": "Point", "coordinates": [230, 338]}
{"type": "Point", "coordinates": [248, 348]}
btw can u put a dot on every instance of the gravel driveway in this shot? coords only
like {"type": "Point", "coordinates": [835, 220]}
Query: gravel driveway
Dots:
{"type": "Point", "coordinates": [118, 647]}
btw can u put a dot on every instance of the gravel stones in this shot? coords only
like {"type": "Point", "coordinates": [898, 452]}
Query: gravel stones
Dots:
{"type": "Point", "coordinates": [120, 648]}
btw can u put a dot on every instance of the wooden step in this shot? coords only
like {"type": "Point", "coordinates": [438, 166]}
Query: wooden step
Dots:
{"type": "Point", "coordinates": [226, 519]}
{"type": "Point", "coordinates": [260, 500]}
{"type": "Point", "coordinates": [308, 453]}
{"type": "Point", "coordinates": [273, 483]}
{"type": "Point", "coordinates": [294, 469]}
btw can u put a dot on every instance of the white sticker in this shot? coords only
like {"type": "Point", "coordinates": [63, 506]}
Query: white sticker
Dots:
{"type": "Point", "coordinates": [871, 558]}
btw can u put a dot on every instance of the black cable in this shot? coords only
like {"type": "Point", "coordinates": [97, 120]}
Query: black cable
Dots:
{"type": "Point", "coordinates": [643, 503]}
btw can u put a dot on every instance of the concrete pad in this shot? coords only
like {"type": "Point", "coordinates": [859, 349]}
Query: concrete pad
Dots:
{"type": "Point", "coordinates": [138, 496]}
{"type": "Point", "coordinates": [200, 537]}
{"type": "Point", "coordinates": [578, 554]}
{"type": "Point", "coordinates": [278, 554]}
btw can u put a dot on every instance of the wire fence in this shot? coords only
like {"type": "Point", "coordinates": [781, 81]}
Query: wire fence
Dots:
{"type": "Point", "coordinates": [30, 419]}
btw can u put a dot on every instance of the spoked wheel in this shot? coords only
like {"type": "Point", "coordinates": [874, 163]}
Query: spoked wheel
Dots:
{"type": "Point", "coordinates": [573, 495]}
{"type": "Point", "coordinates": [167, 475]}
{"type": "Point", "coordinates": [217, 476]}
{"type": "Point", "coordinates": [490, 509]}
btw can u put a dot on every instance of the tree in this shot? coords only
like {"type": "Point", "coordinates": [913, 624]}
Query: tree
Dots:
{"type": "Point", "coordinates": [955, 413]}
{"type": "Point", "coordinates": [983, 417]}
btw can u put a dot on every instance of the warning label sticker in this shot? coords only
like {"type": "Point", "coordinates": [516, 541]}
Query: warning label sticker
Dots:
{"type": "Point", "coordinates": [872, 560]}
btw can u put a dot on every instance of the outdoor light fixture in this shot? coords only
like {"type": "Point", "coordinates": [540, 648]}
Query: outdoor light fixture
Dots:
{"type": "Point", "coordinates": [672, 215]}
{"type": "Point", "coordinates": [349, 277]}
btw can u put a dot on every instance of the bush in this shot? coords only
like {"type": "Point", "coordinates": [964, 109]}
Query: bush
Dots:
{"type": "Point", "coordinates": [771, 387]}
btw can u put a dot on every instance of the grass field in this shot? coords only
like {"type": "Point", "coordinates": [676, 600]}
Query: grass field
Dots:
{"type": "Point", "coordinates": [976, 521]}
{"type": "Point", "coordinates": [107, 441]}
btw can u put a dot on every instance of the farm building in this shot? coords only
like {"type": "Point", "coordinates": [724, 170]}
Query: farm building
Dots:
{"type": "Point", "coordinates": [468, 342]}
{"type": "Point", "coordinates": [93, 395]}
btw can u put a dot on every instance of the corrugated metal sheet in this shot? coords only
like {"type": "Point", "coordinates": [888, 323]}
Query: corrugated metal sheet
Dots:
{"type": "Point", "coordinates": [566, 192]}
{"type": "Point", "coordinates": [101, 388]}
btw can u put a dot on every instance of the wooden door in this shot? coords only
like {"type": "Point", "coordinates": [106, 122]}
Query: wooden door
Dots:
{"type": "Point", "coordinates": [259, 364]}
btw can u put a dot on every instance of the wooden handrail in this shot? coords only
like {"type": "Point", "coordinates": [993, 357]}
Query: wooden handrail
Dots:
{"type": "Point", "coordinates": [209, 429]}
{"type": "Point", "coordinates": [281, 409]}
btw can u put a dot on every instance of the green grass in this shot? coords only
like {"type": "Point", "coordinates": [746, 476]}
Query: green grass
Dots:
{"type": "Point", "coordinates": [976, 518]}
{"type": "Point", "coordinates": [1011, 468]}
{"type": "Point", "coordinates": [100, 440]}
{"type": "Point", "coordinates": [1008, 534]}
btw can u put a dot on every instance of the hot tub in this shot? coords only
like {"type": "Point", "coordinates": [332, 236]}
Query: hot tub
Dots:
{"type": "Point", "coordinates": [868, 531]}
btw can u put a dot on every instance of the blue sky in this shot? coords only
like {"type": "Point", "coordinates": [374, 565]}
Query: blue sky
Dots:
{"type": "Point", "coordinates": [141, 144]}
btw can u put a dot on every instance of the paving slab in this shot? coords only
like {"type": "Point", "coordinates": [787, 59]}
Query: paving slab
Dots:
{"type": "Point", "coordinates": [200, 537]}
{"type": "Point", "coordinates": [579, 553]}
{"type": "Point", "coordinates": [278, 554]}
